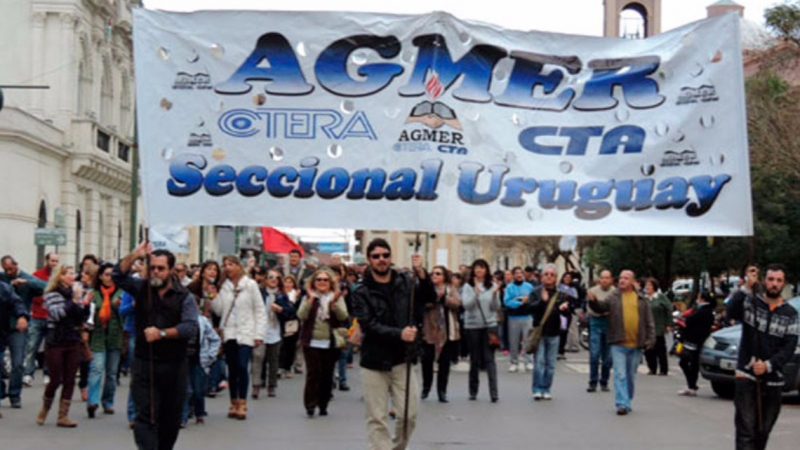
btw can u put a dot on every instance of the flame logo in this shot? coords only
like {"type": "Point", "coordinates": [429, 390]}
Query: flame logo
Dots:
{"type": "Point", "coordinates": [434, 86]}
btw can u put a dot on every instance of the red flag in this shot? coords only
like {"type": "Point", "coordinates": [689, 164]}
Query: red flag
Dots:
{"type": "Point", "coordinates": [277, 242]}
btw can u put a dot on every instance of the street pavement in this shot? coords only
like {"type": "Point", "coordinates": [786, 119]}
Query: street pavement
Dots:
{"type": "Point", "coordinates": [575, 419]}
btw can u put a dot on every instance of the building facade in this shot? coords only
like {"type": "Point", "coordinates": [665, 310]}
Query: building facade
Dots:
{"type": "Point", "coordinates": [66, 151]}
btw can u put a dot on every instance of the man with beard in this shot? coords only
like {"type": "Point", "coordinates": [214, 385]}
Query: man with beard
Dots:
{"type": "Point", "coordinates": [381, 305]}
{"type": "Point", "coordinates": [165, 319]}
{"type": "Point", "coordinates": [770, 331]}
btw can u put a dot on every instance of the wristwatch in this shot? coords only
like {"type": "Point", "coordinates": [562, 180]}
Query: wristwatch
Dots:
{"type": "Point", "coordinates": [162, 334]}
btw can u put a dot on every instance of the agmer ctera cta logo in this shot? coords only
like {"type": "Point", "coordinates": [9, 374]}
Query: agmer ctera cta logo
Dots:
{"type": "Point", "coordinates": [433, 115]}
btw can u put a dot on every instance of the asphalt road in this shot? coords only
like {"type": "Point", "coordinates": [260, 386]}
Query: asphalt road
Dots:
{"type": "Point", "coordinates": [575, 419]}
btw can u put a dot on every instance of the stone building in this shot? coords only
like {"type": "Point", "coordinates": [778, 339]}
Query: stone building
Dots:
{"type": "Point", "coordinates": [66, 150]}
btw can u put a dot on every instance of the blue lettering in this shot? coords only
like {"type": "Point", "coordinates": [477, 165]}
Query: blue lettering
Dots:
{"type": "Point", "coordinates": [284, 70]}
{"type": "Point", "coordinates": [331, 66]}
{"type": "Point", "coordinates": [245, 184]}
{"type": "Point", "coordinates": [185, 173]}
{"type": "Point", "coordinates": [631, 75]}
{"type": "Point", "coordinates": [476, 68]}
{"type": "Point", "coordinates": [527, 75]}
{"type": "Point", "coordinates": [275, 182]}
{"type": "Point", "coordinates": [468, 182]}
{"type": "Point", "coordinates": [219, 180]}
{"type": "Point", "coordinates": [707, 190]}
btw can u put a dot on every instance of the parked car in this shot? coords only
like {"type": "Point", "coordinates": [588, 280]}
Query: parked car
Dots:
{"type": "Point", "coordinates": [719, 355]}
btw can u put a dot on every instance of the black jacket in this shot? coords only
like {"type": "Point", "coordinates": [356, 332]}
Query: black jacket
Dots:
{"type": "Point", "coordinates": [11, 309]}
{"type": "Point", "coordinates": [698, 326]}
{"type": "Point", "coordinates": [770, 336]}
{"type": "Point", "coordinates": [537, 307]}
{"type": "Point", "coordinates": [382, 318]}
{"type": "Point", "coordinates": [176, 309]}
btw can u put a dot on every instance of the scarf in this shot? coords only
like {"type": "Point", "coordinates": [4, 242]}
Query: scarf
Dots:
{"type": "Point", "coordinates": [105, 310]}
{"type": "Point", "coordinates": [324, 306]}
{"type": "Point", "coordinates": [272, 295]}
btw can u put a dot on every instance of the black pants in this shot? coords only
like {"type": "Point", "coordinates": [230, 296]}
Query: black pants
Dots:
{"type": "Point", "coordinates": [563, 337]}
{"type": "Point", "coordinates": [320, 364]}
{"type": "Point", "coordinates": [168, 393]}
{"type": "Point", "coordinates": [445, 360]}
{"type": "Point", "coordinates": [690, 363]}
{"type": "Point", "coordinates": [481, 356]}
{"type": "Point", "coordinates": [288, 352]}
{"type": "Point", "coordinates": [657, 356]}
{"type": "Point", "coordinates": [750, 434]}
{"type": "Point", "coordinates": [63, 361]}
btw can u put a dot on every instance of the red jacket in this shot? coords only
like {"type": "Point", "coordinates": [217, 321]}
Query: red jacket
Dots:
{"type": "Point", "coordinates": [38, 311]}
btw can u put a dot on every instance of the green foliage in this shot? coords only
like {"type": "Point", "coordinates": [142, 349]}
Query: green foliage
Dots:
{"type": "Point", "coordinates": [773, 110]}
{"type": "Point", "coordinates": [785, 20]}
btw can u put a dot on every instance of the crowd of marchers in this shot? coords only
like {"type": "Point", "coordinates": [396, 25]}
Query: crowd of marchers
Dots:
{"type": "Point", "coordinates": [240, 326]}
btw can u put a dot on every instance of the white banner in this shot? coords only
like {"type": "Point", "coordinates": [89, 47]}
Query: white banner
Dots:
{"type": "Point", "coordinates": [172, 238]}
{"type": "Point", "coordinates": [374, 121]}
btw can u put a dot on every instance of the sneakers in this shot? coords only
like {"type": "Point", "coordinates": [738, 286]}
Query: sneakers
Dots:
{"type": "Point", "coordinates": [529, 367]}
{"type": "Point", "coordinates": [513, 368]}
{"type": "Point", "coordinates": [537, 396]}
{"type": "Point", "coordinates": [547, 396]}
{"type": "Point", "coordinates": [46, 380]}
{"type": "Point", "coordinates": [688, 393]}
{"type": "Point", "coordinates": [27, 381]}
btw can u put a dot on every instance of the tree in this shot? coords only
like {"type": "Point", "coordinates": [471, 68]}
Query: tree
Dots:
{"type": "Point", "coordinates": [785, 20]}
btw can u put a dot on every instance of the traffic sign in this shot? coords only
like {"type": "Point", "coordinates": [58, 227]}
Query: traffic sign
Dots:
{"type": "Point", "coordinates": [333, 247]}
{"type": "Point", "coordinates": [50, 236]}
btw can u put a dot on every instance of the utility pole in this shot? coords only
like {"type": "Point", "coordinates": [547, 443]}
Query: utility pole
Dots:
{"type": "Point", "coordinates": [134, 186]}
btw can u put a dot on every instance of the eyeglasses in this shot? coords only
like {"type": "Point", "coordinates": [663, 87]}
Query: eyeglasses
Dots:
{"type": "Point", "coordinates": [380, 256]}
{"type": "Point", "coordinates": [327, 280]}
{"type": "Point", "coordinates": [159, 268]}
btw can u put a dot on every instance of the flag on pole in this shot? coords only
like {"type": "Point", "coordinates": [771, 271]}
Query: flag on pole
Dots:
{"type": "Point", "coordinates": [277, 242]}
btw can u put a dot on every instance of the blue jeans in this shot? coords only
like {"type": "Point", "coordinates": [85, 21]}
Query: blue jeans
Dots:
{"type": "Point", "coordinates": [545, 364]}
{"type": "Point", "coordinates": [37, 329]}
{"type": "Point", "coordinates": [131, 406]}
{"type": "Point", "coordinates": [345, 355]}
{"type": "Point", "coordinates": [599, 350]}
{"type": "Point", "coordinates": [16, 347]}
{"type": "Point", "coordinates": [103, 372]}
{"type": "Point", "coordinates": [626, 360]}
{"type": "Point", "coordinates": [238, 358]}
{"type": "Point", "coordinates": [195, 392]}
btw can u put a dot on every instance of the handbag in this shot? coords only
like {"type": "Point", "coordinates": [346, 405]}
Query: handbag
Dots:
{"type": "Point", "coordinates": [228, 316]}
{"type": "Point", "coordinates": [494, 338]}
{"type": "Point", "coordinates": [534, 335]}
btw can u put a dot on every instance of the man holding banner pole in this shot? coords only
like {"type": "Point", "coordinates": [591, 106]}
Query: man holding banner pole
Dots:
{"type": "Point", "coordinates": [166, 318]}
{"type": "Point", "coordinates": [382, 304]}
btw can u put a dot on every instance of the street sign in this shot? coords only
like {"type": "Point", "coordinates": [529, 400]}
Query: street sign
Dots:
{"type": "Point", "coordinates": [60, 219]}
{"type": "Point", "coordinates": [50, 236]}
{"type": "Point", "coordinates": [333, 247]}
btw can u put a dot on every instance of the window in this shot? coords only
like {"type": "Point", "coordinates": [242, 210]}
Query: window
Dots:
{"type": "Point", "coordinates": [103, 141]}
{"type": "Point", "coordinates": [123, 151]}
{"type": "Point", "coordinates": [106, 94]}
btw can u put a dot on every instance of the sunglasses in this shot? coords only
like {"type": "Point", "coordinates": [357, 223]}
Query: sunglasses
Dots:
{"type": "Point", "coordinates": [380, 256]}
{"type": "Point", "coordinates": [438, 273]}
{"type": "Point", "coordinates": [159, 268]}
{"type": "Point", "coordinates": [327, 280]}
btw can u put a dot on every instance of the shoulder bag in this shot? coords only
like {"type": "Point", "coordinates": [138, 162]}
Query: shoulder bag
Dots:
{"type": "Point", "coordinates": [535, 334]}
{"type": "Point", "coordinates": [494, 338]}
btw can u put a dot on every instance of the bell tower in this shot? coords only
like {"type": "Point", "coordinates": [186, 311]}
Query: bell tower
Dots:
{"type": "Point", "coordinates": [632, 18]}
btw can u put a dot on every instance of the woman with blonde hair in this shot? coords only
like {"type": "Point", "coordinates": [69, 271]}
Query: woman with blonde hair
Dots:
{"type": "Point", "coordinates": [67, 310]}
{"type": "Point", "coordinates": [243, 327]}
{"type": "Point", "coordinates": [323, 313]}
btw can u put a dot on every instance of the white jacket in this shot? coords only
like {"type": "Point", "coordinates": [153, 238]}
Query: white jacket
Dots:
{"type": "Point", "coordinates": [248, 321]}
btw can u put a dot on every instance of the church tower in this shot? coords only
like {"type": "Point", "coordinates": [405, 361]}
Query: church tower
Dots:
{"type": "Point", "coordinates": [632, 18]}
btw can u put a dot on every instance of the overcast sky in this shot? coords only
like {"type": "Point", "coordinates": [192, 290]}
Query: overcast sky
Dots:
{"type": "Point", "coordinates": [543, 15]}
